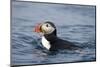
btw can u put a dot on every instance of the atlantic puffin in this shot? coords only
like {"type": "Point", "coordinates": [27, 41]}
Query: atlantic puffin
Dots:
{"type": "Point", "coordinates": [50, 40]}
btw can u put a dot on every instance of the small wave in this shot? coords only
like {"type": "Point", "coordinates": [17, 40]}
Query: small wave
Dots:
{"type": "Point", "coordinates": [90, 45]}
{"type": "Point", "coordinates": [89, 26]}
{"type": "Point", "coordinates": [23, 19]}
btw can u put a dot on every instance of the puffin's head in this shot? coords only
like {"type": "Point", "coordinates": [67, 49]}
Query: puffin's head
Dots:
{"type": "Point", "coordinates": [46, 28]}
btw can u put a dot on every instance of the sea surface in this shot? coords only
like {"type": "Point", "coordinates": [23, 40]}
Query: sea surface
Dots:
{"type": "Point", "coordinates": [75, 23]}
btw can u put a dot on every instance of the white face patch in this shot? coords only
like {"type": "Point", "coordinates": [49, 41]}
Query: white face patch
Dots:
{"type": "Point", "coordinates": [47, 28]}
{"type": "Point", "coordinates": [45, 43]}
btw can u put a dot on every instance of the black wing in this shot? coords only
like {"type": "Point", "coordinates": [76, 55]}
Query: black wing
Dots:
{"type": "Point", "coordinates": [63, 44]}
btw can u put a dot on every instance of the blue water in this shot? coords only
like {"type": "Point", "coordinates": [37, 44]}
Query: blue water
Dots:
{"type": "Point", "coordinates": [74, 23]}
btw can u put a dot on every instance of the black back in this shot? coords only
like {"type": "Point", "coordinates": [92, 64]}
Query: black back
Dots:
{"type": "Point", "coordinates": [57, 43]}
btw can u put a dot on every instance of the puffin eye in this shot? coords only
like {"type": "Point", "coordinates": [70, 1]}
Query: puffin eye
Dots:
{"type": "Point", "coordinates": [47, 25]}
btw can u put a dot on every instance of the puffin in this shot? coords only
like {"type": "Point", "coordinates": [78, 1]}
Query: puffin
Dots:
{"type": "Point", "coordinates": [50, 40]}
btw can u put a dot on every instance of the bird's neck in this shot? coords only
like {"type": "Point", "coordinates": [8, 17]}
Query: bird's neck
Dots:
{"type": "Point", "coordinates": [55, 32]}
{"type": "Point", "coordinates": [51, 37]}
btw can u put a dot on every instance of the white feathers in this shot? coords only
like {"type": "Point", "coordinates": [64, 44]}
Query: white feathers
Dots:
{"type": "Point", "coordinates": [45, 43]}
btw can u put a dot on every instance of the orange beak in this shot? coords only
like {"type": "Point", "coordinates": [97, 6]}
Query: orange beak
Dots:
{"type": "Point", "coordinates": [37, 28]}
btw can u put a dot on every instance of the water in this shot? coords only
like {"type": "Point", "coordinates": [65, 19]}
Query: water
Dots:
{"type": "Point", "coordinates": [74, 23]}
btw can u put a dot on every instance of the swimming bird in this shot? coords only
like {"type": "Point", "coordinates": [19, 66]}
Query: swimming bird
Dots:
{"type": "Point", "coordinates": [50, 40]}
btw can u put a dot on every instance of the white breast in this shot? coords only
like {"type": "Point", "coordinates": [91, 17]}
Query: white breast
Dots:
{"type": "Point", "coordinates": [45, 43]}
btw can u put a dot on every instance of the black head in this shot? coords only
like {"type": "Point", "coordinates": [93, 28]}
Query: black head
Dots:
{"type": "Point", "coordinates": [48, 28]}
